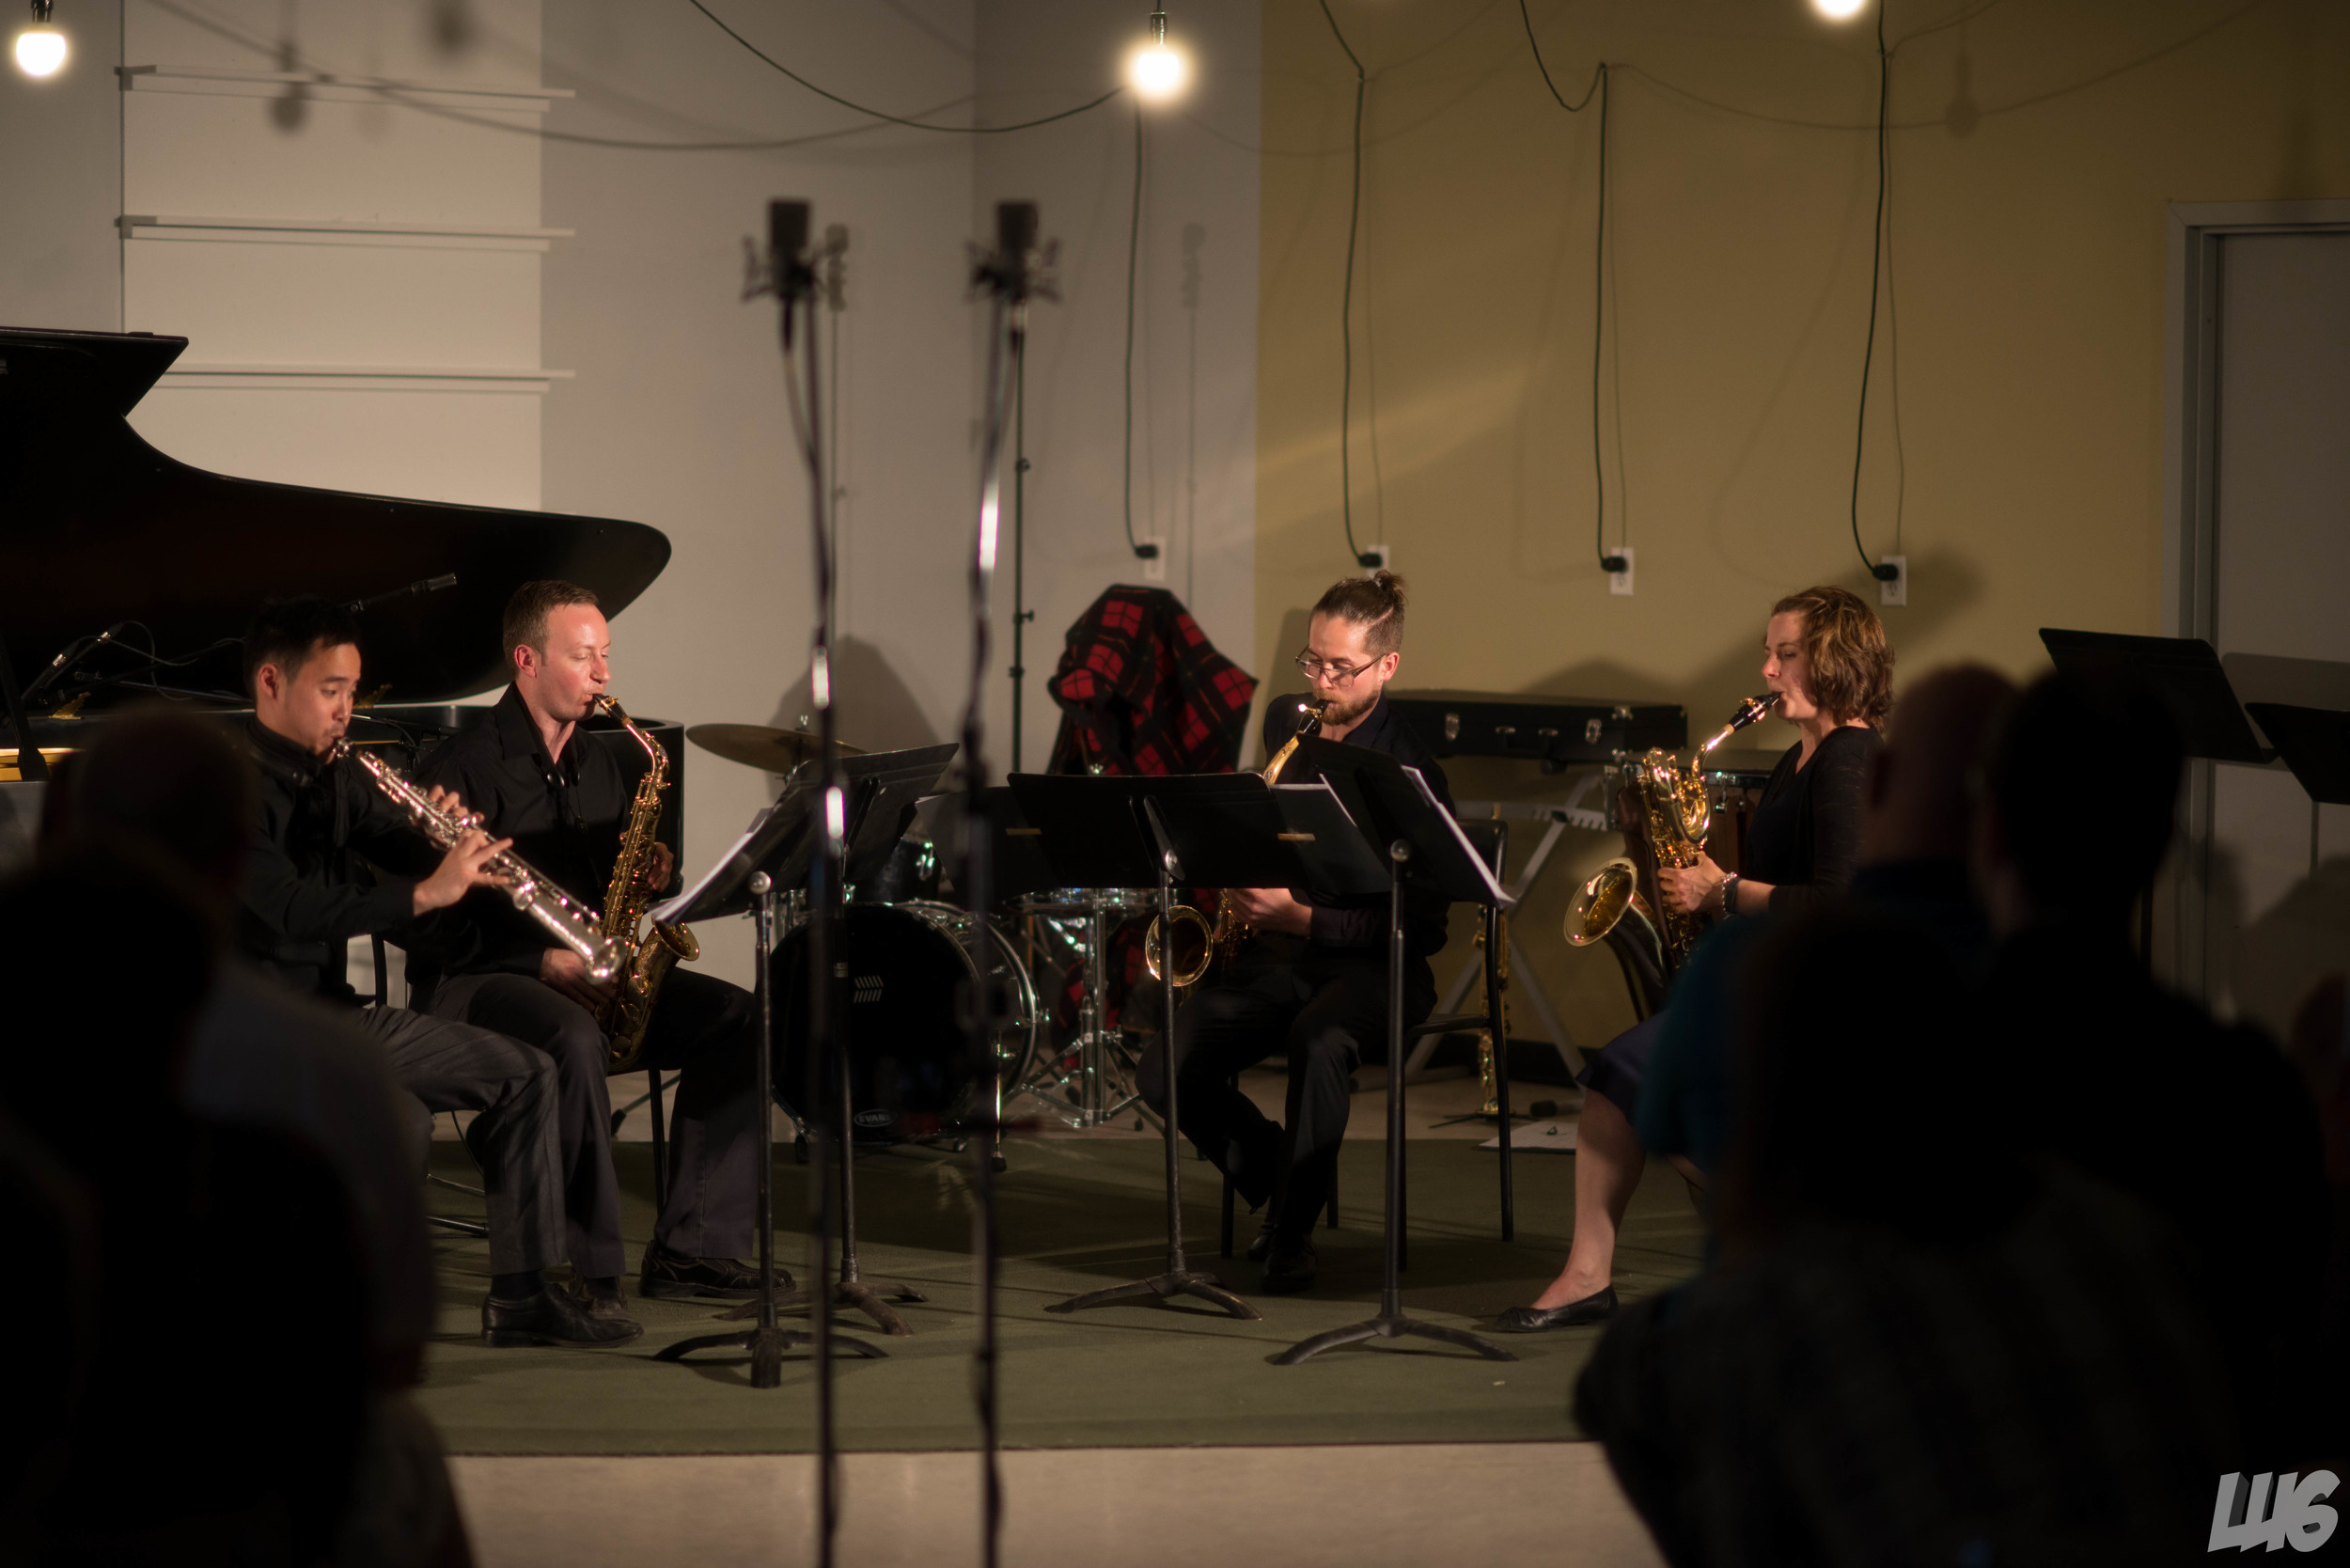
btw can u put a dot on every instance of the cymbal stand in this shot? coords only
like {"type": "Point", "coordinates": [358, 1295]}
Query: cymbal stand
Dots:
{"type": "Point", "coordinates": [1179, 1277]}
{"type": "Point", "coordinates": [1391, 1323]}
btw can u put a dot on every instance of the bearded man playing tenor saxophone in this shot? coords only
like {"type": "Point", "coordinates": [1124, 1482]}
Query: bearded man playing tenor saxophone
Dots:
{"type": "Point", "coordinates": [564, 800]}
{"type": "Point", "coordinates": [302, 899]}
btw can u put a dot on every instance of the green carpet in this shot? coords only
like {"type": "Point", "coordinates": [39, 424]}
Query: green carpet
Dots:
{"type": "Point", "coordinates": [1076, 1215]}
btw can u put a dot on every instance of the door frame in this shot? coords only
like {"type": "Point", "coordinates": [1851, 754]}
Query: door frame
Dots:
{"type": "Point", "coordinates": [2191, 329]}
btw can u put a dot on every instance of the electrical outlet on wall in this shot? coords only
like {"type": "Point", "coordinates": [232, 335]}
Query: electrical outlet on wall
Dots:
{"type": "Point", "coordinates": [1620, 583]}
{"type": "Point", "coordinates": [1893, 593]}
{"type": "Point", "coordinates": [1378, 556]}
{"type": "Point", "coordinates": [1154, 569]}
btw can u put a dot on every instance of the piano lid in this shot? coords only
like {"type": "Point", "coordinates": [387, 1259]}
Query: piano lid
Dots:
{"type": "Point", "coordinates": [97, 526]}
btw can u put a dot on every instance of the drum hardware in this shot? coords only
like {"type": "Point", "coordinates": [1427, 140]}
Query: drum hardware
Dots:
{"type": "Point", "coordinates": [1101, 1089]}
{"type": "Point", "coordinates": [908, 1074]}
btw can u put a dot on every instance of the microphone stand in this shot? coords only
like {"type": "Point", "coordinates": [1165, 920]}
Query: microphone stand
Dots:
{"type": "Point", "coordinates": [1005, 276]}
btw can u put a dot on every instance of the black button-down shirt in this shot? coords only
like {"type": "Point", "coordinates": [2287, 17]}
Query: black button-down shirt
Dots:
{"type": "Point", "coordinates": [1361, 920]}
{"type": "Point", "coordinates": [306, 895]}
{"type": "Point", "coordinates": [564, 814]}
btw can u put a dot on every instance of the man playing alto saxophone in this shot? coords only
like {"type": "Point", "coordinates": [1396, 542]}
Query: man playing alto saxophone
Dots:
{"type": "Point", "coordinates": [564, 800]}
{"type": "Point", "coordinates": [302, 900]}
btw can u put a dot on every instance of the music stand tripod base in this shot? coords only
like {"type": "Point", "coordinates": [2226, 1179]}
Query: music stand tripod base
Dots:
{"type": "Point", "coordinates": [1178, 1280]}
{"type": "Point", "coordinates": [768, 1347]}
{"type": "Point", "coordinates": [860, 1295]}
{"type": "Point", "coordinates": [1390, 1325]}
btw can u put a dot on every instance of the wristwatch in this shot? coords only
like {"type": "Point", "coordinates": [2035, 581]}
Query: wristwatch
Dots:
{"type": "Point", "coordinates": [1729, 894]}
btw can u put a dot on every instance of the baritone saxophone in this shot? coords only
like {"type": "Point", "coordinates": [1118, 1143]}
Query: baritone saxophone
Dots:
{"type": "Point", "coordinates": [646, 957]}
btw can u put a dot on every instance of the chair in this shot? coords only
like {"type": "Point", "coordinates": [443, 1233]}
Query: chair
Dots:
{"type": "Point", "coordinates": [1490, 838]}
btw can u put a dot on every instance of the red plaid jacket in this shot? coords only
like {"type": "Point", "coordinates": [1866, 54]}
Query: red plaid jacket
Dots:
{"type": "Point", "coordinates": [1143, 691]}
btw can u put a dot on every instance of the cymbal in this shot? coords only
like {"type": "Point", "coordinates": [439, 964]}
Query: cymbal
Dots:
{"type": "Point", "coordinates": [759, 746]}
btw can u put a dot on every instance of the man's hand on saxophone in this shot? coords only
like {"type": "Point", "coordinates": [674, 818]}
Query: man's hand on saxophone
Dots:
{"type": "Point", "coordinates": [464, 867]}
{"type": "Point", "coordinates": [563, 970]}
{"type": "Point", "coordinates": [1274, 909]}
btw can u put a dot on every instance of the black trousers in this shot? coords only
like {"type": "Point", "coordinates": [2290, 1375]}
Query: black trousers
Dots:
{"type": "Point", "coordinates": [449, 1066]}
{"type": "Point", "coordinates": [1326, 1011]}
{"type": "Point", "coordinates": [706, 1029]}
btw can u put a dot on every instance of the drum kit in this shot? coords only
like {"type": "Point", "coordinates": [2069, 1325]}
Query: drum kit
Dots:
{"type": "Point", "coordinates": [909, 970]}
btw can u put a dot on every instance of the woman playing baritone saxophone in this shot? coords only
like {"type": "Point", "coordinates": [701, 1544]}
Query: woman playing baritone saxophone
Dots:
{"type": "Point", "coordinates": [1826, 658]}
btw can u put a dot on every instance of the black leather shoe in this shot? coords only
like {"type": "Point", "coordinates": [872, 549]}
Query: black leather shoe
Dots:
{"type": "Point", "coordinates": [1596, 1308]}
{"type": "Point", "coordinates": [672, 1276]}
{"type": "Point", "coordinates": [1288, 1266]}
{"type": "Point", "coordinates": [1261, 1248]}
{"type": "Point", "coordinates": [600, 1299]}
{"type": "Point", "coordinates": [550, 1317]}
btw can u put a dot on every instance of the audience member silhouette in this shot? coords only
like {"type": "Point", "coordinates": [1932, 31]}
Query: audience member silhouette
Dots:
{"type": "Point", "coordinates": [2207, 1124]}
{"type": "Point", "coordinates": [191, 1440]}
{"type": "Point", "coordinates": [1915, 1348]}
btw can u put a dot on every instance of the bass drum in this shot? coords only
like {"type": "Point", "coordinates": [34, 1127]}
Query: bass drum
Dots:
{"type": "Point", "coordinates": [908, 971]}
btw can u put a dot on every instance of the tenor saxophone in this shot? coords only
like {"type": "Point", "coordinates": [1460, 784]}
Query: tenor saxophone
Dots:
{"type": "Point", "coordinates": [646, 958]}
{"type": "Point", "coordinates": [534, 893]}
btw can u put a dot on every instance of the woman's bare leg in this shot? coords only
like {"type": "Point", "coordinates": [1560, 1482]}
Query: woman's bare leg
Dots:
{"type": "Point", "coordinates": [1607, 1165]}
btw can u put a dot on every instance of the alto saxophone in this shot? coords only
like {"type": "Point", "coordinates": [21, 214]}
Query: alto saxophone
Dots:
{"type": "Point", "coordinates": [647, 958]}
{"type": "Point", "coordinates": [1671, 819]}
{"type": "Point", "coordinates": [534, 893]}
{"type": "Point", "coordinates": [1200, 944]}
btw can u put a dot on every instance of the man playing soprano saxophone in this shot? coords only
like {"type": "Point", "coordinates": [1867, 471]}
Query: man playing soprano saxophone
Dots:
{"type": "Point", "coordinates": [302, 900]}
{"type": "Point", "coordinates": [564, 800]}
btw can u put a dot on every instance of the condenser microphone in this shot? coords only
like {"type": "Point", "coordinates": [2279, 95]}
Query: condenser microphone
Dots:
{"type": "Point", "coordinates": [787, 250]}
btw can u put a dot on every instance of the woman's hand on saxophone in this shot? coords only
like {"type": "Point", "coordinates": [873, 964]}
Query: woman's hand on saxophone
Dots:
{"type": "Point", "coordinates": [659, 867]}
{"type": "Point", "coordinates": [1686, 888]}
{"type": "Point", "coordinates": [464, 867]}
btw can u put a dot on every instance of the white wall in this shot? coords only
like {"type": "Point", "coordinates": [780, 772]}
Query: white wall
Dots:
{"type": "Point", "coordinates": [60, 265]}
{"type": "Point", "coordinates": [1195, 365]}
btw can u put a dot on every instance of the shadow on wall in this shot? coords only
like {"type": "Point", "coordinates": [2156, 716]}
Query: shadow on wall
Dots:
{"type": "Point", "coordinates": [877, 710]}
{"type": "Point", "coordinates": [2304, 938]}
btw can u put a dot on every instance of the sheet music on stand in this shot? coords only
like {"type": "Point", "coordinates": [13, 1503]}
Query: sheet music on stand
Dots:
{"type": "Point", "coordinates": [1390, 799]}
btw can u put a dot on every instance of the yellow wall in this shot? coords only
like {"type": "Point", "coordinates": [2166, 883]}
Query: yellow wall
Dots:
{"type": "Point", "coordinates": [2028, 249]}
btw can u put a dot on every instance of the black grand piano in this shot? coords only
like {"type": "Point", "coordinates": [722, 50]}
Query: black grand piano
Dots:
{"type": "Point", "coordinates": [101, 533]}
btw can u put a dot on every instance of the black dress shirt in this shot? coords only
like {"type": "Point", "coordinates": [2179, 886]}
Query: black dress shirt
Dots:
{"type": "Point", "coordinates": [1804, 837]}
{"type": "Point", "coordinates": [1361, 920]}
{"type": "Point", "coordinates": [565, 817]}
{"type": "Point", "coordinates": [306, 893]}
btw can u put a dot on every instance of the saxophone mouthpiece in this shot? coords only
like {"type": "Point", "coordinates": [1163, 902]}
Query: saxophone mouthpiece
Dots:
{"type": "Point", "coordinates": [1752, 710]}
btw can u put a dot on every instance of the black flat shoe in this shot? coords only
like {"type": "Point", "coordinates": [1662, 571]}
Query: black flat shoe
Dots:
{"type": "Point", "coordinates": [672, 1276]}
{"type": "Point", "coordinates": [1597, 1306]}
{"type": "Point", "coordinates": [1261, 1248]}
{"type": "Point", "coordinates": [552, 1317]}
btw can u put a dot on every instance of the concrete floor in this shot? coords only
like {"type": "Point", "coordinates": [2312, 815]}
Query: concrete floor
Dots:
{"type": "Point", "coordinates": [1494, 1505]}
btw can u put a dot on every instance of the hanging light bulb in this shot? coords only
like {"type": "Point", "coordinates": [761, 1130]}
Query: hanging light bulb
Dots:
{"type": "Point", "coordinates": [1839, 11]}
{"type": "Point", "coordinates": [1157, 71]}
{"type": "Point", "coordinates": [41, 48]}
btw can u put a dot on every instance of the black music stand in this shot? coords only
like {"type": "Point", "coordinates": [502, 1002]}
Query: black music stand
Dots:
{"type": "Point", "coordinates": [2315, 745]}
{"type": "Point", "coordinates": [1398, 808]}
{"type": "Point", "coordinates": [1123, 832]}
{"type": "Point", "coordinates": [2186, 670]}
{"type": "Point", "coordinates": [775, 852]}
{"type": "Point", "coordinates": [881, 790]}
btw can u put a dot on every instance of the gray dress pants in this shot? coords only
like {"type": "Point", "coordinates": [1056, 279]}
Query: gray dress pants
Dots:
{"type": "Point", "coordinates": [703, 1027]}
{"type": "Point", "coordinates": [450, 1066]}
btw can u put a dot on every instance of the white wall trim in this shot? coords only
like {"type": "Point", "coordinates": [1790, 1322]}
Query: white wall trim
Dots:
{"type": "Point", "coordinates": [365, 377]}
{"type": "Point", "coordinates": [133, 222]}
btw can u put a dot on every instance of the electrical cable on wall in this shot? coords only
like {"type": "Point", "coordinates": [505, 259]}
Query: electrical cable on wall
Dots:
{"type": "Point", "coordinates": [895, 119]}
{"type": "Point", "coordinates": [1134, 243]}
{"type": "Point", "coordinates": [1607, 561]}
{"type": "Point", "coordinates": [1882, 571]}
{"type": "Point", "coordinates": [1346, 308]}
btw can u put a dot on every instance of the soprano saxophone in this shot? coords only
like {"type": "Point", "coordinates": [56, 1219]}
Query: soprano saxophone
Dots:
{"type": "Point", "coordinates": [647, 958]}
{"type": "Point", "coordinates": [534, 893]}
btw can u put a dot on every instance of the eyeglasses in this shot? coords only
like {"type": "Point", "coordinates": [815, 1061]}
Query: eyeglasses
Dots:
{"type": "Point", "coordinates": [1323, 669]}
